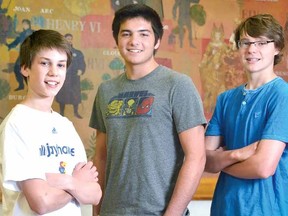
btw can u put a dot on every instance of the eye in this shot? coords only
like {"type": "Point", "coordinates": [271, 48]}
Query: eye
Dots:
{"type": "Point", "coordinates": [62, 65]}
{"type": "Point", "coordinates": [261, 43]}
{"type": "Point", "coordinates": [125, 34]}
{"type": "Point", "coordinates": [45, 63]}
{"type": "Point", "coordinates": [144, 34]}
{"type": "Point", "coordinates": [246, 43]}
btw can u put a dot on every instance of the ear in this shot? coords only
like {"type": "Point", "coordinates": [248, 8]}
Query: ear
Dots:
{"type": "Point", "coordinates": [157, 45]}
{"type": "Point", "coordinates": [276, 52]}
{"type": "Point", "coordinates": [25, 71]}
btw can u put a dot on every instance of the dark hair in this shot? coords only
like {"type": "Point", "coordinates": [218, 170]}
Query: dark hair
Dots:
{"type": "Point", "coordinates": [27, 22]}
{"type": "Point", "coordinates": [68, 35]}
{"type": "Point", "coordinates": [43, 39]}
{"type": "Point", "coordinates": [137, 10]}
{"type": "Point", "coordinates": [263, 25]}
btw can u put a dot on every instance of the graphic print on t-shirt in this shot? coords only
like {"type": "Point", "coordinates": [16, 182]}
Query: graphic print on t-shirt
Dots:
{"type": "Point", "coordinates": [62, 167]}
{"type": "Point", "coordinates": [130, 104]}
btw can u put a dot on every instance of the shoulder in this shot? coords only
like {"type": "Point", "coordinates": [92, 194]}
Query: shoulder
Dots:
{"type": "Point", "coordinates": [17, 116]}
{"type": "Point", "coordinates": [61, 119]}
{"type": "Point", "coordinates": [112, 82]}
{"type": "Point", "coordinates": [277, 92]}
{"type": "Point", "coordinates": [231, 93]}
{"type": "Point", "coordinates": [168, 74]}
{"type": "Point", "coordinates": [280, 86]}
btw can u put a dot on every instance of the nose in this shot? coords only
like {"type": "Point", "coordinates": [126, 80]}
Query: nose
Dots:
{"type": "Point", "coordinates": [134, 40]}
{"type": "Point", "coordinates": [252, 47]}
{"type": "Point", "coordinates": [53, 71]}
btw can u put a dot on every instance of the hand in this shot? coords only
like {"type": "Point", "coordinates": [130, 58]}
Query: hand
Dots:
{"type": "Point", "coordinates": [85, 172]}
{"type": "Point", "coordinates": [246, 152]}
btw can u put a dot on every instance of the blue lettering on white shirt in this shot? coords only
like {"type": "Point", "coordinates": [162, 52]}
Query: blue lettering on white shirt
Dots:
{"type": "Point", "coordinates": [56, 150]}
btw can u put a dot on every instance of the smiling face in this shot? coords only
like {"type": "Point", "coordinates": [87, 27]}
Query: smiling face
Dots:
{"type": "Point", "coordinates": [46, 75]}
{"type": "Point", "coordinates": [136, 42]}
{"type": "Point", "coordinates": [258, 58]}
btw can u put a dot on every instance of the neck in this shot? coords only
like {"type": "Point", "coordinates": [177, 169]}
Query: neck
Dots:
{"type": "Point", "coordinates": [254, 83]}
{"type": "Point", "coordinates": [43, 105]}
{"type": "Point", "coordinates": [138, 71]}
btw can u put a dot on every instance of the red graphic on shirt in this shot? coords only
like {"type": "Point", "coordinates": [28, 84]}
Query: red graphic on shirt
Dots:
{"type": "Point", "coordinates": [145, 106]}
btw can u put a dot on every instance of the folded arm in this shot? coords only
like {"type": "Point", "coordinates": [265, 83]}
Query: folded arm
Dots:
{"type": "Point", "coordinates": [43, 198]}
{"type": "Point", "coordinates": [262, 164]}
{"type": "Point", "coordinates": [57, 190]}
{"type": "Point", "coordinates": [217, 158]}
{"type": "Point", "coordinates": [82, 185]}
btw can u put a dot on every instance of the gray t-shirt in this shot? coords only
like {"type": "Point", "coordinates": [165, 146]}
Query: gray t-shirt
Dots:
{"type": "Point", "coordinates": [142, 119]}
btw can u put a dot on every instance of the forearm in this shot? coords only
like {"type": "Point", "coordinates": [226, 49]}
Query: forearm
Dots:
{"type": "Point", "coordinates": [186, 185]}
{"type": "Point", "coordinates": [56, 199]}
{"type": "Point", "coordinates": [43, 198]}
{"type": "Point", "coordinates": [86, 192]}
{"type": "Point", "coordinates": [219, 159]}
{"type": "Point", "coordinates": [216, 161]}
{"type": "Point", "coordinates": [262, 164]}
{"type": "Point", "coordinates": [245, 170]}
{"type": "Point", "coordinates": [101, 181]}
{"type": "Point", "coordinates": [83, 192]}
{"type": "Point", "coordinates": [252, 168]}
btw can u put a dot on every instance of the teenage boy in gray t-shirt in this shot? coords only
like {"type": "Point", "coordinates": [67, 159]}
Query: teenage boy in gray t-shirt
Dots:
{"type": "Point", "coordinates": [147, 119]}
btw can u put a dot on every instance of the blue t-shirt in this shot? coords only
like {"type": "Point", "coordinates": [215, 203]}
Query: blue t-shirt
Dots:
{"type": "Point", "coordinates": [242, 117]}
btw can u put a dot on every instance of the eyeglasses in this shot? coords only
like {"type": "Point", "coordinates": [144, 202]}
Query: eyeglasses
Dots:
{"type": "Point", "coordinates": [258, 44]}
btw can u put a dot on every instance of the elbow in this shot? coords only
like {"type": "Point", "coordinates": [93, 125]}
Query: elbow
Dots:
{"type": "Point", "coordinates": [94, 198]}
{"type": "Point", "coordinates": [212, 166]}
{"type": "Point", "coordinates": [211, 169]}
{"type": "Point", "coordinates": [98, 197]}
{"type": "Point", "coordinates": [265, 173]}
{"type": "Point", "coordinates": [266, 170]}
{"type": "Point", "coordinates": [40, 208]}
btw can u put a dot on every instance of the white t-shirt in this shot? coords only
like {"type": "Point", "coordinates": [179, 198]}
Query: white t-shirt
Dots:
{"type": "Point", "coordinates": [34, 143]}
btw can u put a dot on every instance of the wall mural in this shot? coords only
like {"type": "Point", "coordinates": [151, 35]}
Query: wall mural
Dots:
{"type": "Point", "coordinates": [197, 41]}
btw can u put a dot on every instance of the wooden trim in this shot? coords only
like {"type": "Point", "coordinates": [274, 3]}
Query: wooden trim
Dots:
{"type": "Point", "coordinates": [206, 188]}
{"type": "Point", "coordinates": [204, 191]}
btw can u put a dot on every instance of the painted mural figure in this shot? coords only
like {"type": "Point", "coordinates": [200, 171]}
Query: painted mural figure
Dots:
{"type": "Point", "coordinates": [70, 93]}
{"type": "Point", "coordinates": [27, 31]}
{"type": "Point", "coordinates": [184, 18]}
{"type": "Point", "coordinates": [2, 10]}
{"type": "Point", "coordinates": [117, 4]}
{"type": "Point", "coordinates": [155, 4]}
{"type": "Point", "coordinates": [7, 23]}
{"type": "Point", "coordinates": [212, 68]}
{"type": "Point", "coordinates": [4, 22]}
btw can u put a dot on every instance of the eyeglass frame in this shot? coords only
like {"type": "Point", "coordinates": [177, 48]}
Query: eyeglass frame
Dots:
{"type": "Point", "coordinates": [258, 44]}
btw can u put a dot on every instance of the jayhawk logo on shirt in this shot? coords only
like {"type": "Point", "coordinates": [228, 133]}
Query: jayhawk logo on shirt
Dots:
{"type": "Point", "coordinates": [62, 167]}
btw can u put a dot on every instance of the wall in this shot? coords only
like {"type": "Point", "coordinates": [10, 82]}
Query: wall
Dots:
{"type": "Point", "coordinates": [197, 42]}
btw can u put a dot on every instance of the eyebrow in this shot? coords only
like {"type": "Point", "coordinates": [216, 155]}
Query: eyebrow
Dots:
{"type": "Point", "coordinates": [141, 30]}
{"type": "Point", "coordinates": [48, 59]}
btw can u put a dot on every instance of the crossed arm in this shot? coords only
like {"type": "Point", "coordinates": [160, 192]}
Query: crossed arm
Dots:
{"type": "Point", "coordinates": [59, 189]}
{"type": "Point", "coordinates": [257, 160]}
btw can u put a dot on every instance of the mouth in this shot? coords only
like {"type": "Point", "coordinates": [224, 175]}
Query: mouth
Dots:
{"type": "Point", "coordinates": [252, 60]}
{"type": "Point", "coordinates": [52, 83]}
{"type": "Point", "coordinates": [135, 50]}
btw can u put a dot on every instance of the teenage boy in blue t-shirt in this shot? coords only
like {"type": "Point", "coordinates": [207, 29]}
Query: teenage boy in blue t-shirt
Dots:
{"type": "Point", "coordinates": [247, 135]}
